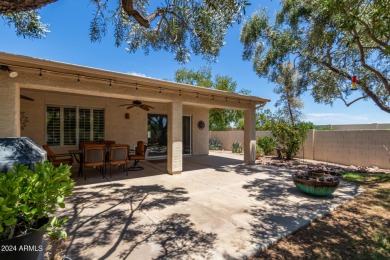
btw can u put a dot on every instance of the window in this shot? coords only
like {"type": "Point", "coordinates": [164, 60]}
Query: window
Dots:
{"type": "Point", "coordinates": [70, 125]}
{"type": "Point", "coordinates": [53, 128]}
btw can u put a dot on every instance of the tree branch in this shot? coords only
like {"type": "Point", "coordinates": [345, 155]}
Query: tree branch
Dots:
{"type": "Point", "coordinates": [366, 66]}
{"type": "Point", "coordinates": [353, 101]}
{"type": "Point", "coordinates": [128, 7]}
{"type": "Point", "coordinates": [15, 6]}
{"type": "Point", "coordinates": [366, 89]}
{"type": "Point", "coordinates": [372, 36]}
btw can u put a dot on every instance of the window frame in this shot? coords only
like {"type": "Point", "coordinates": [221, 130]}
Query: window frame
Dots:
{"type": "Point", "coordinates": [77, 132]}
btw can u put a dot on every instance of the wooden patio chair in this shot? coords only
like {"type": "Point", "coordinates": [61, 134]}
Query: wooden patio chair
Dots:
{"type": "Point", "coordinates": [94, 155]}
{"type": "Point", "coordinates": [139, 155]}
{"type": "Point", "coordinates": [118, 155]}
{"type": "Point", "coordinates": [57, 159]}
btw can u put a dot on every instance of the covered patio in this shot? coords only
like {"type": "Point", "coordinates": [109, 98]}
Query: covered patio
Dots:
{"type": "Point", "coordinates": [218, 208]}
{"type": "Point", "coordinates": [63, 104]}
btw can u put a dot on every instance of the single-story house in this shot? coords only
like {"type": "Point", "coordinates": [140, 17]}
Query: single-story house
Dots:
{"type": "Point", "coordinates": [62, 104]}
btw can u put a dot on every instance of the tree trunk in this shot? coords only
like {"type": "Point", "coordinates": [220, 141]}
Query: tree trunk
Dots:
{"type": "Point", "coordinates": [12, 6]}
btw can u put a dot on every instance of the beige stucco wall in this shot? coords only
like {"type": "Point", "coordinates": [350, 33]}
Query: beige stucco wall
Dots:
{"type": "Point", "coordinates": [117, 128]}
{"type": "Point", "coordinates": [9, 107]}
{"type": "Point", "coordinates": [354, 147]}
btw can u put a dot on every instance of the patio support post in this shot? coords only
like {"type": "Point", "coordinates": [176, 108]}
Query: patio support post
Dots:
{"type": "Point", "coordinates": [250, 136]}
{"type": "Point", "coordinates": [9, 107]}
{"type": "Point", "coordinates": [175, 136]}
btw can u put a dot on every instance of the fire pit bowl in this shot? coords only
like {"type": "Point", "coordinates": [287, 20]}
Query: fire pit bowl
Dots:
{"type": "Point", "coordinates": [317, 182]}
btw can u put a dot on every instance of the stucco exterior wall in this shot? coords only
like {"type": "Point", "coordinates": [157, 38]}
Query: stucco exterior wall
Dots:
{"type": "Point", "coordinates": [9, 108]}
{"type": "Point", "coordinates": [200, 137]}
{"type": "Point", "coordinates": [355, 147]}
{"type": "Point", "coordinates": [117, 128]}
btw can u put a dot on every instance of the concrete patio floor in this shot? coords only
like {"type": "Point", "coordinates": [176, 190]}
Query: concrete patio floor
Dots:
{"type": "Point", "coordinates": [218, 208]}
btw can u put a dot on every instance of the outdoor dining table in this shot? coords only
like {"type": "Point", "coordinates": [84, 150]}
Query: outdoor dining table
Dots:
{"type": "Point", "coordinates": [78, 156]}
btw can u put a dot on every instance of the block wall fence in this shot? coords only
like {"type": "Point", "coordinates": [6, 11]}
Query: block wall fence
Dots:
{"type": "Point", "coordinates": [351, 147]}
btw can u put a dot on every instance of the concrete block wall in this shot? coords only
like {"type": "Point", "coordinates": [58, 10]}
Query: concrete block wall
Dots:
{"type": "Point", "coordinates": [353, 147]}
{"type": "Point", "coordinates": [227, 138]}
{"type": "Point", "coordinates": [374, 126]}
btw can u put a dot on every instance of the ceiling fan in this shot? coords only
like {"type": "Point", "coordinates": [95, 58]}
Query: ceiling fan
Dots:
{"type": "Point", "coordinates": [137, 103]}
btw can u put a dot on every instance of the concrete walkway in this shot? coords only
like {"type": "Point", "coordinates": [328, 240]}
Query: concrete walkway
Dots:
{"type": "Point", "coordinates": [217, 209]}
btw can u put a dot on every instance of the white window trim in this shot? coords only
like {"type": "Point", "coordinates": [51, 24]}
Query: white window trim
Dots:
{"type": "Point", "coordinates": [77, 123]}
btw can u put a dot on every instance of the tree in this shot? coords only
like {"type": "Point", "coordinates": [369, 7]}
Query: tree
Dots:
{"type": "Point", "coordinates": [179, 26]}
{"type": "Point", "coordinates": [328, 42]}
{"type": "Point", "coordinates": [288, 88]}
{"type": "Point", "coordinates": [218, 119]}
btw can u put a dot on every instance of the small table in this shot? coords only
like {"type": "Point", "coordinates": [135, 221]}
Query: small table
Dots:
{"type": "Point", "coordinates": [79, 159]}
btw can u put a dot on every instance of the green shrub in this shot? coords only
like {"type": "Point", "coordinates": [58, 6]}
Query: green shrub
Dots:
{"type": "Point", "coordinates": [214, 144]}
{"type": "Point", "coordinates": [236, 147]}
{"type": "Point", "coordinates": [259, 150]}
{"type": "Point", "coordinates": [289, 138]}
{"type": "Point", "coordinates": [267, 143]}
{"type": "Point", "coordinates": [28, 196]}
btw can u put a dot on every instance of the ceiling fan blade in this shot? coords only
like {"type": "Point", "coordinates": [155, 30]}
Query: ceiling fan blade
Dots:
{"type": "Point", "coordinates": [123, 105]}
{"type": "Point", "coordinates": [131, 106]}
{"type": "Point", "coordinates": [26, 98]}
{"type": "Point", "coordinates": [150, 107]}
{"type": "Point", "coordinates": [144, 107]}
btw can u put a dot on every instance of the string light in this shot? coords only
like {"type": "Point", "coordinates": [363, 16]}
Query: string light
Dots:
{"type": "Point", "coordinates": [124, 83]}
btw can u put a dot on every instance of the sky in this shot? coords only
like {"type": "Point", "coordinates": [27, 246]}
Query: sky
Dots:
{"type": "Point", "coordinates": [68, 42]}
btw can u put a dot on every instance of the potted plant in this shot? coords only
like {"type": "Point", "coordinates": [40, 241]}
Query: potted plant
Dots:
{"type": "Point", "coordinates": [28, 202]}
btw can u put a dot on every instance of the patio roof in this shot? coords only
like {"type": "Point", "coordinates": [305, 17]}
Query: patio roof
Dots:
{"type": "Point", "coordinates": [16, 62]}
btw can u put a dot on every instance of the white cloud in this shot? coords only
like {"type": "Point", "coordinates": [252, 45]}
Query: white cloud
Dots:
{"type": "Point", "coordinates": [134, 73]}
{"type": "Point", "coordinates": [337, 118]}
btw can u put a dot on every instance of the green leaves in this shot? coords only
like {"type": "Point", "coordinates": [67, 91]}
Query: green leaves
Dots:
{"type": "Point", "coordinates": [219, 119]}
{"type": "Point", "coordinates": [328, 42]}
{"type": "Point", "coordinates": [27, 196]}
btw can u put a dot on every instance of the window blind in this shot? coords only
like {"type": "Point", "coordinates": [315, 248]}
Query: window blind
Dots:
{"type": "Point", "coordinates": [84, 124]}
{"type": "Point", "coordinates": [53, 126]}
{"type": "Point", "coordinates": [98, 124]}
{"type": "Point", "coordinates": [69, 126]}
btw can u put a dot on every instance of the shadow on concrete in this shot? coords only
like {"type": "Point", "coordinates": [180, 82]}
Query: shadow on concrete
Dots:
{"type": "Point", "coordinates": [95, 177]}
{"type": "Point", "coordinates": [110, 218]}
{"type": "Point", "coordinates": [287, 209]}
{"type": "Point", "coordinates": [199, 162]}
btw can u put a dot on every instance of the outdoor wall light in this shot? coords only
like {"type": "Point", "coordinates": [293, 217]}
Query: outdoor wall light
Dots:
{"type": "Point", "coordinates": [11, 73]}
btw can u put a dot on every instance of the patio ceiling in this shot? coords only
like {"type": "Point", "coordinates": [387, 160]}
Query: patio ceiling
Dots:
{"type": "Point", "coordinates": [121, 85]}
